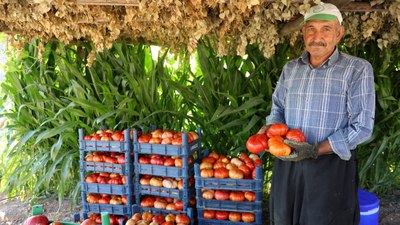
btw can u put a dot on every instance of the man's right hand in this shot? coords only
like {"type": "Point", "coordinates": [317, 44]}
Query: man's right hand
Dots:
{"type": "Point", "coordinates": [263, 129]}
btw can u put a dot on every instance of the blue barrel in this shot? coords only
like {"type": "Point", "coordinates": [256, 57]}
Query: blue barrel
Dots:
{"type": "Point", "coordinates": [369, 208]}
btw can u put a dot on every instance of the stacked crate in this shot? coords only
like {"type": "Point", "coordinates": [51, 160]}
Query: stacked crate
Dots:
{"type": "Point", "coordinates": [212, 205]}
{"type": "Point", "coordinates": [96, 168]}
{"type": "Point", "coordinates": [186, 151]}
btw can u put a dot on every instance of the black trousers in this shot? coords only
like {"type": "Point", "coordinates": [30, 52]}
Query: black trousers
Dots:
{"type": "Point", "coordinates": [319, 191]}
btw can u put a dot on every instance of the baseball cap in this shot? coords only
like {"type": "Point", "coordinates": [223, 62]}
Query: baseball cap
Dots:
{"type": "Point", "coordinates": [323, 11]}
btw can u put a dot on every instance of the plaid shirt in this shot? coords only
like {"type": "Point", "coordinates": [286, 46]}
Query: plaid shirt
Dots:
{"type": "Point", "coordinates": [335, 101]}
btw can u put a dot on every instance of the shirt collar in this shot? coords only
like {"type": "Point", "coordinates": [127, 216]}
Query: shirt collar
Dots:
{"type": "Point", "coordinates": [305, 58]}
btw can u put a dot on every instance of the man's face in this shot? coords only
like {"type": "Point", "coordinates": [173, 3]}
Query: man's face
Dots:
{"type": "Point", "coordinates": [321, 36]}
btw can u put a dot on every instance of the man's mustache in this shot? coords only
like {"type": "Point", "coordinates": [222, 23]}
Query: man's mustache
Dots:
{"type": "Point", "coordinates": [313, 43]}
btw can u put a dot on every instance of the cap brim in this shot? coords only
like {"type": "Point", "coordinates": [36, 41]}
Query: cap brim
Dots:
{"type": "Point", "coordinates": [321, 17]}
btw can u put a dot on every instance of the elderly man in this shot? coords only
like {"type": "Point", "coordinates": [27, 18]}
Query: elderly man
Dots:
{"type": "Point", "coordinates": [330, 96]}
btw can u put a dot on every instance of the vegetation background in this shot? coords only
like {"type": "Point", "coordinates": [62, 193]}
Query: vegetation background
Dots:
{"type": "Point", "coordinates": [48, 94]}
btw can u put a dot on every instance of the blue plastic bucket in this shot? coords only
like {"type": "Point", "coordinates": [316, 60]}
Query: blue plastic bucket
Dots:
{"type": "Point", "coordinates": [369, 208]}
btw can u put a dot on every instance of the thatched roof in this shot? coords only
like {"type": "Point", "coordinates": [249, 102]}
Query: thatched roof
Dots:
{"type": "Point", "coordinates": [181, 23]}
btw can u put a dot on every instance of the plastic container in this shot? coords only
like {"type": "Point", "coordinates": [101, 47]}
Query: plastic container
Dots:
{"type": "Point", "coordinates": [107, 188]}
{"type": "Point", "coordinates": [185, 149]}
{"type": "Point", "coordinates": [229, 184]}
{"type": "Point", "coordinates": [202, 221]}
{"type": "Point", "coordinates": [369, 208]}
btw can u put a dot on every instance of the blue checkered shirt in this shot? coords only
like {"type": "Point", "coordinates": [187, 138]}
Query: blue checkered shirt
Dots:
{"type": "Point", "coordinates": [335, 101]}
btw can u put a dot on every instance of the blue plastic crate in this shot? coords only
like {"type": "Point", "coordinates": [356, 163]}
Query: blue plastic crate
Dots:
{"type": "Point", "coordinates": [105, 146]}
{"type": "Point", "coordinates": [230, 184]}
{"type": "Point", "coordinates": [111, 209]}
{"type": "Point", "coordinates": [242, 206]}
{"type": "Point", "coordinates": [185, 149]}
{"type": "Point", "coordinates": [183, 195]}
{"type": "Point", "coordinates": [202, 221]}
{"type": "Point", "coordinates": [165, 171]}
{"type": "Point", "coordinates": [107, 188]}
{"type": "Point", "coordinates": [104, 167]}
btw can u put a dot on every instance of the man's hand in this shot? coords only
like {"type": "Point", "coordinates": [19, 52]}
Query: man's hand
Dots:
{"type": "Point", "coordinates": [302, 150]}
{"type": "Point", "coordinates": [263, 129]}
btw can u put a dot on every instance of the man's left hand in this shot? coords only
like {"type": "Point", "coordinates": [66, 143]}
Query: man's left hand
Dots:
{"type": "Point", "coordinates": [302, 150]}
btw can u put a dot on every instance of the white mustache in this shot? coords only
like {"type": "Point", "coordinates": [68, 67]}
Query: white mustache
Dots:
{"type": "Point", "coordinates": [317, 44]}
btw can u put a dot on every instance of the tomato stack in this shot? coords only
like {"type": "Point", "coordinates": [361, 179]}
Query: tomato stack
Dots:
{"type": "Point", "coordinates": [164, 171]}
{"type": "Point", "coordinates": [229, 189]}
{"type": "Point", "coordinates": [106, 172]}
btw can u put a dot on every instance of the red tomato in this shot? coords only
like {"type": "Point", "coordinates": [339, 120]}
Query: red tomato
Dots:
{"type": "Point", "coordinates": [182, 219]}
{"type": "Point", "coordinates": [257, 143]}
{"type": "Point", "coordinates": [219, 164]}
{"type": "Point", "coordinates": [221, 173]}
{"type": "Point", "coordinates": [157, 161]}
{"type": "Point", "coordinates": [221, 215]}
{"type": "Point", "coordinates": [277, 147]}
{"type": "Point", "coordinates": [88, 222]}
{"type": "Point", "coordinates": [245, 169]}
{"type": "Point", "coordinates": [144, 138]}
{"type": "Point", "coordinates": [155, 140]}
{"type": "Point", "coordinates": [121, 159]}
{"type": "Point", "coordinates": [207, 173]}
{"type": "Point", "coordinates": [277, 129]}
{"type": "Point", "coordinates": [236, 196]}
{"type": "Point", "coordinates": [179, 205]}
{"type": "Point", "coordinates": [250, 196]}
{"type": "Point", "coordinates": [214, 155]}
{"type": "Point", "coordinates": [235, 216]}
{"type": "Point", "coordinates": [177, 141]}
{"type": "Point", "coordinates": [221, 195]}
{"type": "Point", "coordinates": [91, 178]}
{"type": "Point", "coordinates": [248, 217]}
{"type": "Point", "coordinates": [178, 162]}
{"type": "Point", "coordinates": [144, 160]}
{"type": "Point", "coordinates": [296, 135]}
{"type": "Point", "coordinates": [169, 162]}
{"type": "Point", "coordinates": [209, 159]}
{"type": "Point", "coordinates": [158, 218]}
{"type": "Point", "coordinates": [208, 214]}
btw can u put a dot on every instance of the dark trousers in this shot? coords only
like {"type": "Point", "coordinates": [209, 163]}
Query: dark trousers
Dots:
{"type": "Point", "coordinates": [319, 191]}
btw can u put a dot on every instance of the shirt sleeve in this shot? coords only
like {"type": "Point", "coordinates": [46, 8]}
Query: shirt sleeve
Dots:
{"type": "Point", "coordinates": [361, 111]}
{"type": "Point", "coordinates": [277, 114]}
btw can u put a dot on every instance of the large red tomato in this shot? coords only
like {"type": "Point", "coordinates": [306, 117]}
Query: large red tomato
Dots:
{"type": "Point", "coordinates": [277, 129]}
{"type": "Point", "coordinates": [248, 217]}
{"type": "Point", "coordinates": [182, 219]}
{"type": "Point", "coordinates": [296, 135]}
{"type": "Point", "coordinates": [236, 196]}
{"type": "Point", "coordinates": [257, 143]}
{"type": "Point", "coordinates": [221, 195]}
{"type": "Point", "coordinates": [221, 173]}
{"type": "Point", "coordinates": [37, 220]}
{"type": "Point", "coordinates": [277, 147]}
{"type": "Point", "coordinates": [221, 215]}
{"type": "Point", "coordinates": [88, 222]}
{"type": "Point", "coordinates": [235, 216]}
{"type": "Point", "coordinates": [208, 214]}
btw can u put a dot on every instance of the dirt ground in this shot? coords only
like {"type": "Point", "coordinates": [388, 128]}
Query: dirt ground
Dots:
{"type": "Point", "coordinates": [14, 212]}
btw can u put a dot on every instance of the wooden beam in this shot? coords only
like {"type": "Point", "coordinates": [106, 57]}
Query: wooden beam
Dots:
{"type": "Point", "coordinates": [109, 2]}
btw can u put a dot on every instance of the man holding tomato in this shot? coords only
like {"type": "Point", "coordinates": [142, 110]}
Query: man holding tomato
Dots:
{"type": "Point", "coordinates": [329, 95]}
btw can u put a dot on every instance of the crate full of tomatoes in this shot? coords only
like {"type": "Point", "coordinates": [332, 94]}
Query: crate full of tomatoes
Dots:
{"type": "Point", "coordinates": [142, 217]}
{"type": "Point", "coordinates": [106, 170]}
{"type": "Point", "coordinates": [167, 142]}
{"type": "Point", "coordinates": [229, 189]}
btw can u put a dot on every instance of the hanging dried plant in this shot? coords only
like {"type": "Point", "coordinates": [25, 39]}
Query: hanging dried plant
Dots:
{"type": "Point", "coordinates": [180, 24]}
